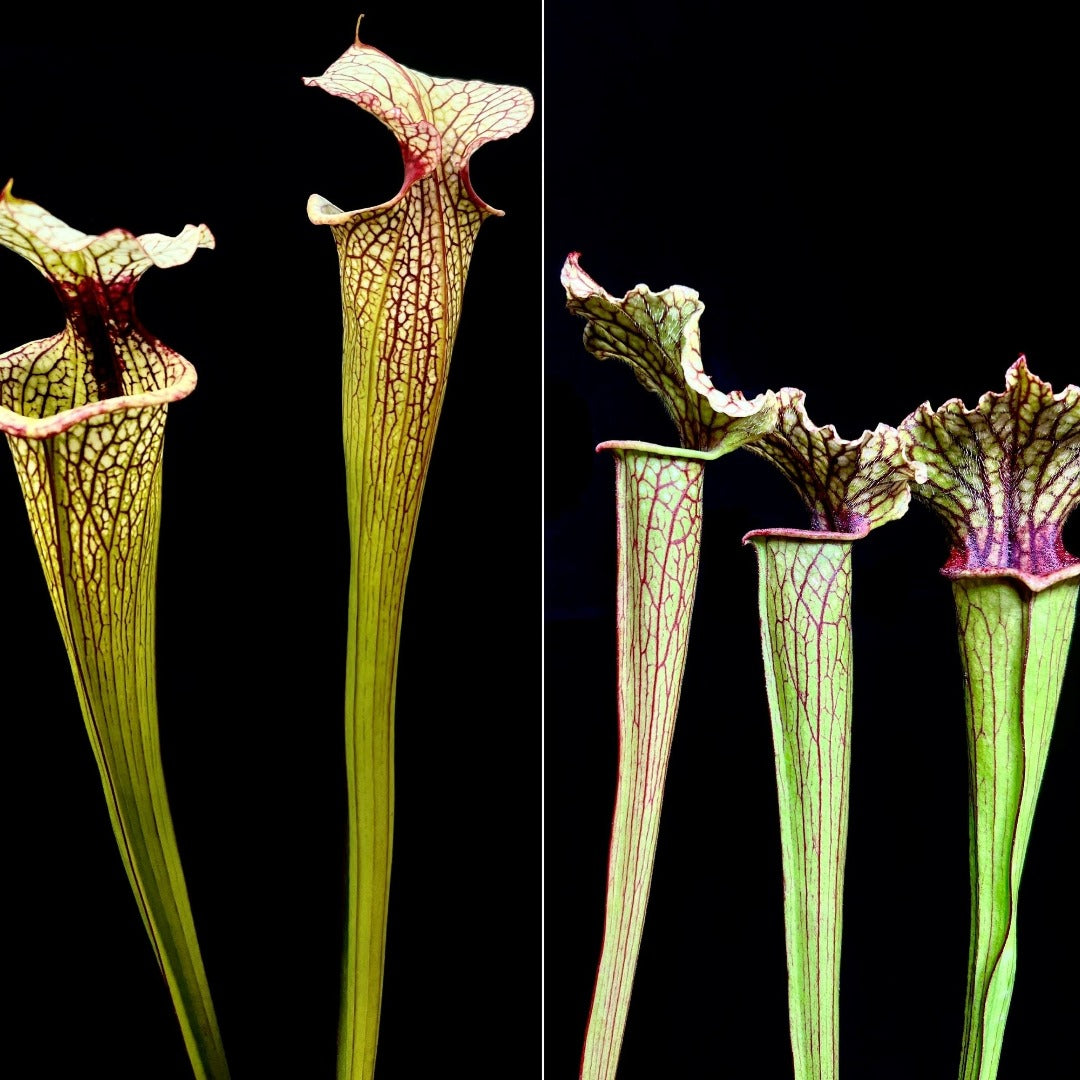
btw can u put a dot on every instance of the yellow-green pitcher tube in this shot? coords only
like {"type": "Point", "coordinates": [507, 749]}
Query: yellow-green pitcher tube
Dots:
{"type": "Point", "coordinates": [84, 412]}
{"type": "Point", "coordinates": [403, 267]}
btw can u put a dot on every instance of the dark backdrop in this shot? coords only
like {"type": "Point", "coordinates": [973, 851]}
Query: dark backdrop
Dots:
{"type": "Point", "coordinates": [148, 117]}
{"type": "Point", "coordinates": [878, 206]}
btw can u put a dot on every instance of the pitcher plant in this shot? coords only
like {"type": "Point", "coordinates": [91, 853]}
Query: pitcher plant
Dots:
{"type": "Point", "coordinates": [403, 266]}
{"type": "Point", "coordinates": [1004, 477]}
{"type": "Point", "coordinates": [658, 500]}
{"type": "Point", "coordinates": [84, 412]}
{"type": "Point", "coordinates": [804, 606]}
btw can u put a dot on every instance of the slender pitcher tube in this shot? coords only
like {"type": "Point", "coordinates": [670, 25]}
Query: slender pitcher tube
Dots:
{"type": "Point", "coordinates": [658, 536]}
{"type": "Point", "coordinates": [403, 269]}
{"type": "Point", "coordinates": [1004, 477]}
{"type": "Point", "coordinates": [658, 527]}
{"type": "Point", "coordinates": [804, 602]}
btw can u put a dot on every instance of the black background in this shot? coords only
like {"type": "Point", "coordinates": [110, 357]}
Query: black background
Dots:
{"type": "Point", "coordinates": [149, 117]}
{"type": "Point", "coordinates": [876, 204]}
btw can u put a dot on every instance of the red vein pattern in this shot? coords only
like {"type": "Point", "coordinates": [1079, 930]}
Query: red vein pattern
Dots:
{"type": "Point", "coordinates": [403, 269]}
{"type": "Point", "coordinates": [848, 485]}
{"type": "Point", "coordinates": [658, 502]}
{"type": "Point", "coordinates": [1004, 477]}
{"type": "Point", "coordinates": [805, 609]}
{"type": "Point", "coordinates": [658, 499]}
{"type": "Point", "coordinates": [804, 603]}
{"type": "Point", "coordinates": [657, 334]}
{"type": "Point", "coordinates": [1014, 643]}
{"type": "Point", "coordinates": [84, 412]}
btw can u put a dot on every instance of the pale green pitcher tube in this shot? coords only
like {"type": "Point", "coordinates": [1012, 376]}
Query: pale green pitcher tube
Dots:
{"type": "Point", "coordinates": [658, 535]}
{"type": "Point", "coordinates": [1004, 477]}
{"type": "Point", "coordinates": [804, 603]}
{"type": "Point", "coordinates": [850, 486]}
{"type": "Point", "coordinates": [658, 497]}
{"type": "Point", "coordinates": [1014, 643]}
